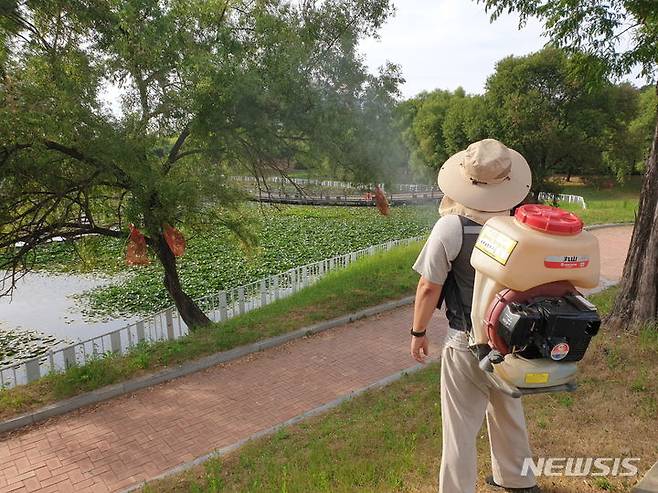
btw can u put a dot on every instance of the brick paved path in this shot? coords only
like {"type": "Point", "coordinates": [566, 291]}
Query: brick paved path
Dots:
{"type": "Point", "coordinates": [614, 245]}
{"type": "Point", "coordinates": [136, 437]}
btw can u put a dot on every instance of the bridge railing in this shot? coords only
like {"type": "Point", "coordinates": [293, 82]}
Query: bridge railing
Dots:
{"type": "Point", "coordinates": [400, 187]}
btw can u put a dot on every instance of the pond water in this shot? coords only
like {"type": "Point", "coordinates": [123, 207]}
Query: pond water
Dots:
{"type": "Point", "coordinates": [49, 303]}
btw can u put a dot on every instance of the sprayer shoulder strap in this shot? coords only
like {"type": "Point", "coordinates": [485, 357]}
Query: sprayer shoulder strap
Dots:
{"type": "Point", "coordinates": [469, 232]}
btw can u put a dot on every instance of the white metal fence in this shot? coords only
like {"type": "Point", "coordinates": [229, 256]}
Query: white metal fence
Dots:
{"type": "Point", "coordinates": [168, 325]}
{"type": "Point", "coordinates": [413, 187]}
{"type": "Point", "coordinates": [561, 197]}
{"type": "Point", "coordinates": [299, 181]}
{"type": "Point", "coordinates": [402, 187]}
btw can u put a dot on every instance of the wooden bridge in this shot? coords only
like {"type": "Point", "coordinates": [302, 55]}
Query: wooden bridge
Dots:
{"type": "Point", "coordinates": [402, 198]}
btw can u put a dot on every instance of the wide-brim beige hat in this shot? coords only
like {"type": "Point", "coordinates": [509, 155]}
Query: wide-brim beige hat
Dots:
{"type": "Point", "coordinates": [487, 176]}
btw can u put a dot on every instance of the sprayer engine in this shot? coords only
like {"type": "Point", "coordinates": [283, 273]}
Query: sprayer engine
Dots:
{"type": "Point", "coordinates": [531, 325]}
{"type": "Point", "coordinates": [559, 329]}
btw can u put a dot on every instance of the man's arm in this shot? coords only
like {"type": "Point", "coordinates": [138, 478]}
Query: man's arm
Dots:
{"type": "Point", "coordinates": [433, 264]}
{"type": "Point", "coordinates": [427, 296]}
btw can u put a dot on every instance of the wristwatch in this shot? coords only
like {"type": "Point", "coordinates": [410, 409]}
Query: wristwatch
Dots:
{"type": "Point", "coordinates": [417, 334]}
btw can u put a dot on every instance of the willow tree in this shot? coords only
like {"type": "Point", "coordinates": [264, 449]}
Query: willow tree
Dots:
{"type": "Point", "coordinates": [613, 38]}
{"type": "Point", "coordinates": [133, 111]}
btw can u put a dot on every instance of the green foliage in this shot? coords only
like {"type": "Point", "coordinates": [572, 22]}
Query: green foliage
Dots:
{"type": "Point", "coordinates": [466, 121]}
{"type": "Point", "coordinates": [626, 138]}
{"type": "Point", "coordinates": [287, 237]}
{"type": "Point", "coordinates": [428, 128]}
{"type": "Point", "coordinates": [640, 383]}
{"type": "Point", "coordinates": [207, 88]}
{"type": "Point", "coordinates": [422, 120]}
{"type": "Point", "coordinates": [605, 211]}
{"type": "Point", "coordinates": [606, 205]}
{"type": "Point", "coordinates": [609, 37]}
{"type": "Point", "coordinates": [564, 399]}
{"type": "Point", "coordinates": [604, 484]}
{"type": "Point", "coordinates": [541, 107]}
{"type": "Point", "coordinates": [613, 357]}
{"type": "Point", "coordinates": [538, 104]}
{"type": "Point", "coordinates": [104, 370]}
{"type": "Point", "coordinates": [642, 127]}
{"type": "Point", "coordinates": [604, 300]}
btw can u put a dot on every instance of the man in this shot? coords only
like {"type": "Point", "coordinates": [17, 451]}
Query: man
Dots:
{"type": "Point", "coordinates": [485, 180]}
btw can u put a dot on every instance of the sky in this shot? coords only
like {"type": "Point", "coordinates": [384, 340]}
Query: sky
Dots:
{"type": "Point", "coordinates": [444, 44]}
{"type": "Point", "coordinates": [441, 44]}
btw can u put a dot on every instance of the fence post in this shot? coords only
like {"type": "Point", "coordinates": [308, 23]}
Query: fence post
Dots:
{"type": "Point", "coordinates": [94, 349]}
{"type": "Point", "coordinates": [115, 342]}
{"type": "Point", "coordinates": [170, 324]}
{"type": "Point", "coordinates": [51, 360]}
{"type": "Point", "coordinates": [276, 287]}
{"type": "Point", "coordinates": [69, 357]}
{"type": "Point", "coordinates": [304, 276]}
{"type": "Point", "coordinates": [240, 300]}
{"type": "Point", "coordinates": [263, 293]}
{"type": "Point", "coordinates": [32, 370]}
{"type": "Point", "coordinates": [140, 331]}
{"type": "Point", "coordinates": [223, 315]}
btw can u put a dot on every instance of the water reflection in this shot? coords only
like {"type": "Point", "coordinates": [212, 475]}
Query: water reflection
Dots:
{"type": "Point", "coordinates": [47, 303]}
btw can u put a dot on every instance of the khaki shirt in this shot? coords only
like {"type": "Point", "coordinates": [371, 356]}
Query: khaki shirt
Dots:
{"type": "Point", "coordinates": [434, 263]}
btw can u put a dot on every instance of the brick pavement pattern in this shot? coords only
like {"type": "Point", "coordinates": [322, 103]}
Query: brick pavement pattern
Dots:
{"type": "Point", "coordinates": [614, 243]}
{"type": "Point", "coordinates": [113, 445]}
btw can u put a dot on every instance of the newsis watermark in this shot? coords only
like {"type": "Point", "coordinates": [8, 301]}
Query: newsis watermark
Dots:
{"type": "Point", "coordinates": [581, 466]}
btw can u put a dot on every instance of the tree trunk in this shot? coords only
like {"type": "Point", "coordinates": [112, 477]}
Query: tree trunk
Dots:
{"type": "Point", "coordinates": [637, 301]}
{"type": "Point", "coordinates": [189, 311]}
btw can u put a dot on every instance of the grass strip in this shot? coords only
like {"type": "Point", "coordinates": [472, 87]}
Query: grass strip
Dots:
{"type": "Point", "coordinates": [613, 205]}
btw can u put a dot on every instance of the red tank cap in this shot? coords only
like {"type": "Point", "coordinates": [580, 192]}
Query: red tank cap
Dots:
{"type": "Point", "coordinates": [549, 219]}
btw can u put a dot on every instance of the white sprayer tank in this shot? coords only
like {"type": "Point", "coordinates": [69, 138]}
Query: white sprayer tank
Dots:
{"type": "Point", "coordinates": [539, 245]}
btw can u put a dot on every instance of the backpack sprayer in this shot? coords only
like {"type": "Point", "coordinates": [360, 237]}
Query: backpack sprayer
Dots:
{"type": "Point", "coordinates": [530, 324]}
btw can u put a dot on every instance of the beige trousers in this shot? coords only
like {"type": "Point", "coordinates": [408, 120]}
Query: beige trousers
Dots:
{"type": "Point", "coordinates": [465, 399]}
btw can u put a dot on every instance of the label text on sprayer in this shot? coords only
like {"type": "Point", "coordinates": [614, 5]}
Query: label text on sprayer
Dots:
{"type": "Point", "coordinates": [495, 244]}
{"type": "Point", "coordinates": [566, 261]}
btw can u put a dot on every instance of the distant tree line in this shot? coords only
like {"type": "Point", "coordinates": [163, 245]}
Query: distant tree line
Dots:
{"type": "Point", "coordinates": [542, 106]}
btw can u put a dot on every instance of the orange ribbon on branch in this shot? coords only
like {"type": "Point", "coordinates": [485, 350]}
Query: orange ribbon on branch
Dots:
{"type": "Point", "coordinates": [136, 253]}
{"type": "Point", "coordinates": [175, 240]}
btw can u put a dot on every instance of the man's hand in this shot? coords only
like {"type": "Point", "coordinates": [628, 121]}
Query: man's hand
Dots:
{"type": "Point", "coordinates": [419, 348]}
